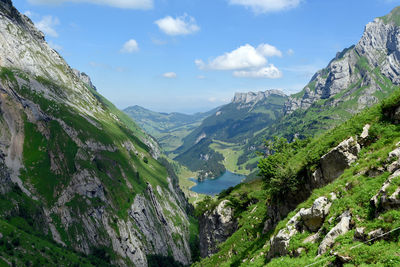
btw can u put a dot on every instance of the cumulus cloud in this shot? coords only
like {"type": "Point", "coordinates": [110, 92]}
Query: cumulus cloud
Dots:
{"type": "Point", "coordinates": [47, 24]}
{"type": "Point", "coordinates": [170, 75]}
{"type": "Point", "coordinates": [130, 46]}
{"type": "Point", "coordinates": [269, 72]}
{"type": "Point", "coordinates": [182, 25]}
{"type": "Point", "coordinates": [244, 57]}
{"type": "Point", "coordinates": [128, 4]}
{"type": "Point", "coordinates": [267, 6]}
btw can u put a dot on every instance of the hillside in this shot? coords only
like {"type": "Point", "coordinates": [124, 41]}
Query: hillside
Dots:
{"type": "Point", "coordinates": [168, 128]}
{"type": "Point", "coordinates": [331, 196]}
{"type": "Point", "coordinates": [358, 77]}
{"type": "Point", "coordinates": [328, 200]}
{"type": "Point", "coordinates": [81, 183]}
{"type": "Point", "coordinates": [231, 126]}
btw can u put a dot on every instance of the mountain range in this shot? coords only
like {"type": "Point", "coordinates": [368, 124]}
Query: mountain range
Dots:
{"type": "Point", "coordinates": [358, 77]}
{"type": "Point", "coordinates": [81, 184]}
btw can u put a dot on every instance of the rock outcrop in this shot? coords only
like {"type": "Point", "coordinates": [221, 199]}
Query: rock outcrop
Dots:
{"type": "Point", "coordinates": [252, 98]}
{"type": "Point", "coordinates": [331, 166]}
{"type": "Point", "coordinates": [306, 219]}
{"type": "Point", "coordinates": [338, 159]}
{"type": "Point", "coordinates": [215, 227]}
{"type": "Point", "coordinates": [84, 78]}
{"type": "Point", "coordinates": [350, 70]}
{"type": "Point", "coordinates": [314, 217]}
{"type": "Point", "coordinates": [341, 228]}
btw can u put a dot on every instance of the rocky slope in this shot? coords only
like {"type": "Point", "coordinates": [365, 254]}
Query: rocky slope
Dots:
{"type": "Point", "coordinates": [75, 171]}
{"type": "Point", "coordinates": [343, 209]}
{"type": "Point", "coordinates": [333, 200]}
{"type": "Point", "coordinates": [358, 77]}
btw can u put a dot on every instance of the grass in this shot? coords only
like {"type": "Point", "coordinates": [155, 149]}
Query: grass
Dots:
{"type": "Point", "coordinates": [248, 246]}
{"type": "Point", "coordinates": [231, 153]}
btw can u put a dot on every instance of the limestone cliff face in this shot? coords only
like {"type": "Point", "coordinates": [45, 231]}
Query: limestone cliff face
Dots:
{"type": "Point", "coordinates": [215, 227]}
{"type": "Point", "coordinates": [353, 68]}
{"type": "Point", "coordinates": [252, 98]}
{"type": "Point", "coordinates": [90, 175]}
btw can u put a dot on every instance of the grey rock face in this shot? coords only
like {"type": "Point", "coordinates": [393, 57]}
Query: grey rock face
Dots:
{"type": "Point", "coordinates": [215, 227]}
{"type": "Point", "coordinates": [382, 199]}
{"type": "Point", "coordinates": [311, 219]}
{"type": "Point", "coordinates": [315, 216]}
{"type": "Point", "coordinates": [379, 46]}
{"type": "Point", "coordinates": [254, 97]}
{"type": "Point", "coordinates": [338, 159]}
{"type": "Point", "coordinates": [84, 78]}
{"type": "Point", "coordinates": [341, 228]}
{"type": "Point", "coordinates": [280, 242]}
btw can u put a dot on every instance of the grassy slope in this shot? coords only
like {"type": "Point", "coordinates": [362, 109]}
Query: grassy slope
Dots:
{"type": "Point", "coordinates": [57, 147]}
{"type": "Point", "coordinates": [322, 115]}
{"type": "Point", "coordinates": [247, 247]}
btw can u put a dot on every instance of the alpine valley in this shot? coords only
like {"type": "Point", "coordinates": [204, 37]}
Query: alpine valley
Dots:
{"type": "Point", "coordinates": [81, 184]}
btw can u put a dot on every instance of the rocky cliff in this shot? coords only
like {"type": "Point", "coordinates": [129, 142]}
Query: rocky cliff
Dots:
{"type": "Point", "coordinates": [366, 67]}
{"type": "Point", "coordinates": [253, 98]}
{"type": "Point", "coordinates": [74, 169]}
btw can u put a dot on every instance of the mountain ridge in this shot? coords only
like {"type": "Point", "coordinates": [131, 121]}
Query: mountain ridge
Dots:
{"type": "Point", "coordinates": [76, 172]}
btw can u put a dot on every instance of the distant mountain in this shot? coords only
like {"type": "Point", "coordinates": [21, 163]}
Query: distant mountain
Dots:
{"type": "Point", "coordinates": [168, 128]}
{"type": "Point", "coordinates": [216, 142]}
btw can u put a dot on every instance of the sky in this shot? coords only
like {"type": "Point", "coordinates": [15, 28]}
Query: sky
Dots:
{"type": "Point", "coordinates": [193, 55]}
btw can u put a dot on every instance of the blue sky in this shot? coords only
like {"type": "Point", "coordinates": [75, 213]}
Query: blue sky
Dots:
{"type": "Point", "coordinates": [193, 55]}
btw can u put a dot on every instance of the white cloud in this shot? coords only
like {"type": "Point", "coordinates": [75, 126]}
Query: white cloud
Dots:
{"type": "Point", "coordinates": [129, 4]}
{"type": "Point", "coordinates": [269, 72]}
{"type": "Point", "coordinates": [182, 25]}
{"type": "Point", "coordinates": [130, 46]}
{"type": "Point", "coordinates": [244, 57]}
{"type": "Point", "coordinates": [266, 6]}
{"type": "Point", "coordinates": [269, 50]}
{"type": "Point", "coordinates": [170, 75]}
{"type": "Point", "coordinates": [47, 24]}
{"type": "Point", "coordinates": [201, 77]}
{"type": "Point", "coordinates": [290, 52]}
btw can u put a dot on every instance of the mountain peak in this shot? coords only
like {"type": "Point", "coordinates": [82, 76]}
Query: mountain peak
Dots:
{"type": "Point", "coordinates": [245, 98]}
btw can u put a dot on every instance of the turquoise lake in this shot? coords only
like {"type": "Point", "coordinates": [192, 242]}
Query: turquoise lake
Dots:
{"type": "Point", "coordinates": [215, 186]}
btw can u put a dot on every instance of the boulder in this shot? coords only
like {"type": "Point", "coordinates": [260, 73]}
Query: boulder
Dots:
{"type": "Point", "coordinates": [341, 228]}
{"type": "Point", "coordinates": [338, 159]}
{"type": "Point", "coordinates": [314, 217]}
{"type": "Point", "coordinates": [280, 242]}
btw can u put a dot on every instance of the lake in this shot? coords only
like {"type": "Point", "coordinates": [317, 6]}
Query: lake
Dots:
{"type": "Point", "coordinates": [215, 186]}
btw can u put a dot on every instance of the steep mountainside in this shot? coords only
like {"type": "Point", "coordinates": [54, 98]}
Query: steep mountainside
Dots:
{"type": "Point", "coordinates": [80, 182]}
{"type": "Point", "coordinates": [358, 77]}
{"type": "Point", "coordinates": [331, 200]}
{"type": "Point", "coordinates": [168, 128]}
{"type": "Point", "coordinates": [232, 125]}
